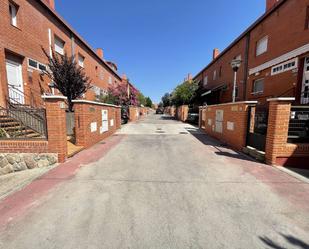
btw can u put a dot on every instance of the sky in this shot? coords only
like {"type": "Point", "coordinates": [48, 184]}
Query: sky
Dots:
{"type": "Point", "coordinates": [157, 43]}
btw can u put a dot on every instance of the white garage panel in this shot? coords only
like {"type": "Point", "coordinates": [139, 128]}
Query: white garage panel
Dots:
{"type": "Point", "coordinates": [104, 121]}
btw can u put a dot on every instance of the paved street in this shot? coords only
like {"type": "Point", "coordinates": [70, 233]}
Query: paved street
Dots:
{"type": "Point", "coordinates": [163, 184]}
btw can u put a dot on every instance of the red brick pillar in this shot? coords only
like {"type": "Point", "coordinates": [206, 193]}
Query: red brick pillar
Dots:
{"type": "Point", "coordinates": [118, 117]}
{"type": "Point", "coordinates": [3, 81]}
{"type": "Point", "coordinates": [185, 112]}
{"type": "Point", "coordinates": [82, 119]}
{"type": "Point", "coordinates": [56, 126]}
{"type": "Point", "coordinates": [278, 127]}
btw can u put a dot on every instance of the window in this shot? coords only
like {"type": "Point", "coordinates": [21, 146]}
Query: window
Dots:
{"type": "Point", "coordinates": [215, 75]}
{"type": "Point", "coordinates": [13, 8]}
{"type": "Point", "coordinates": [59, 45]}
{"type": "Point", "coordinates": [283, 67]}
{"type": "Point", "coordinates": [261, 46]}
{"type": "Point", "coordinates": [220, 71]}
{"type": "Point", "coordinates": [205, 82]}
{"type": "Point", "coordinates": [258, 86]}
{"type": "Point", "coordinates": [110, 80]}
{"type": "Point", "coordinates": [42, 67]}
{"type": "Point", "coordinates": [81, 60]}
{"type": "Point", "coordinates": [32, 63]}
{"type": "Point", "coordinates": [36, 65]}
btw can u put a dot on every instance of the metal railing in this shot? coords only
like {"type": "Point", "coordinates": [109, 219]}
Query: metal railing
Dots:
{"type": "Point", "coordinates": [305, 97]}
{"type": "Point", "coordinates": [17, 97]}
{"type": "Point", "coordinates": [23, 123]}
{"type": "Point", "coordinates": [299, 125]}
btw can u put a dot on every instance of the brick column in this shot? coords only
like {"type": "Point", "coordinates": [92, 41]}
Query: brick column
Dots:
{"type": "Point", "coordinates": [278, 127]}
{"type": "Point", "coordinates": [185, 111]}
{"type": "Point", "coordinates": [82, 118]}
{"type": "Point", "coordinates": [3, 81]}
{"type": "Point", "coordinates": [56, 126]}
{"type": "Point", "coordinates": [118, 117]}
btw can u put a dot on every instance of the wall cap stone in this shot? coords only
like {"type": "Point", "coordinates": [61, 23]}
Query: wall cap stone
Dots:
{"type": "Point", "coordinates": [93, 103]}
{"type": "Point", "coordinates": [252, 102]}
{"type": "Point", "coordinates": [281, 99]}
{"type": "Point", "coordinates": [53, 97]}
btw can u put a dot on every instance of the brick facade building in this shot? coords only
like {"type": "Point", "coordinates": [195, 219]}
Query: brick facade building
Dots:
{"type": "Point", "coordinates": [27, 27]}
{"type": "Point", "coordinates": [275, 58]}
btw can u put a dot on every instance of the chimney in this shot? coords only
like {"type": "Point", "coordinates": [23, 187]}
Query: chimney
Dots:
{"type": "Point", "coordinates": [189, 76]}
{"type": "Point", "coordinates": [215, 53]}
{"type": "Point", "coordinates": [270, 4]}
{"type": "Point", "coordinates": [124, 78]}
{"type": "Point", "coordinates": [51, 3]}
{"type": "Point", "coordinates": [100, 53]}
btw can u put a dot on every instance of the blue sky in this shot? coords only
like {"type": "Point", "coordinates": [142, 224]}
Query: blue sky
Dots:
{"type": "Point", "coordinates": [157, 43]}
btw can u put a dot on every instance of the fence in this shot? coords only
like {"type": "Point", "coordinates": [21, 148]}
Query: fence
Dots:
{"type": "Point", "coordinates": [299, 125]}
{"type": "Point", "coordinates": [286, 141]}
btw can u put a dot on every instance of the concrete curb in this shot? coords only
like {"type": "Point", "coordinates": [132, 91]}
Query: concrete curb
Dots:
{"type": "Point", "coordinates": [293, 174]}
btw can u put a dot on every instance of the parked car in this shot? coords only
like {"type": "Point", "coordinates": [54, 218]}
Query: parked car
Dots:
{"type": "Point", "coordinates": [193, 115]}
{"type": "Point", "coordinates": [159, 111]}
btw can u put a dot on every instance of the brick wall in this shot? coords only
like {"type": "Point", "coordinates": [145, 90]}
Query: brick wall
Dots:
{"type": "Point", "coordinates": [182, 112]}
{"type": "Point", "coordinates": [134, 113]}
{"type": "Point", "coordinates": [233, 127]}
{"type": "Point", "coordinates": [225, 74]}
{"type": "Point", "coordinates": [26, 41]}
{"type": "Point", "coordinates": [278, 150]}
{"type": "Point", "coordinates": [88, 122]}
{"type": "Point", "coordinates": [21, 146]}
{"type": "Point", "coordinates": [282, 39]}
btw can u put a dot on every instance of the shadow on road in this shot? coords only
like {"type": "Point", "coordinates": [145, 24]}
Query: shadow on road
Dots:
{"type": "Point", "coordinates": [289, 238]}
{"type": "Point", "coordinates": [222, 149]}
{"type": "Point", "coordinates": [167, 118]}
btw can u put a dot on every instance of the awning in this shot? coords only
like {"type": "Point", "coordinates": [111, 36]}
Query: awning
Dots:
{"type": "Point", "coordinates": [217, 88]}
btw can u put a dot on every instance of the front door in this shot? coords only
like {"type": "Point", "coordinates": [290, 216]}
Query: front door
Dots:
{"type": "Point", "coordinates": [15, 82]}
{"type": "Point", "coordinates": [305, 84]}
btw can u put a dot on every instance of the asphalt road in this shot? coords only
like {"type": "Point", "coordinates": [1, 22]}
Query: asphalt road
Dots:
{"type": "Point", "coordinates": [166, 185]}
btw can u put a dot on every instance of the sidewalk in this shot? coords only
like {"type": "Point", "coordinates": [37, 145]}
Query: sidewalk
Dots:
{"type": "Point", "coordinates": [19, 192]}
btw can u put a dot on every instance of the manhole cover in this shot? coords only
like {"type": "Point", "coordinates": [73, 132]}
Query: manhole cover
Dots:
{"type": "Point", "coordinates": [160, 131]}
{"type": "Point", "coordinates": [183, 132]}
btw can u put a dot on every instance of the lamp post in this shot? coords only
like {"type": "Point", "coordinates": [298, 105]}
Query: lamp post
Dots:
{"type": "Point", "coordinates": [235, 64]}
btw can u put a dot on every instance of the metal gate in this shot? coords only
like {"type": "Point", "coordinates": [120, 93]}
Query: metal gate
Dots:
{"type": "Point", "coordinates": [257, 126]}
{"type": "Point", "coordinates": [70, 123]}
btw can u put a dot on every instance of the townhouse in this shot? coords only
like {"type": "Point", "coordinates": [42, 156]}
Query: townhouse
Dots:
{"type": "Point", "coordinates": [28, 27]}
{"type": "Point", "coordinates": [275, 58]}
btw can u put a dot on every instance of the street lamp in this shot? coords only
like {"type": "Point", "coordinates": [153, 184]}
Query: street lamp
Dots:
{"type": "Point", "coordinates": [235, 64]}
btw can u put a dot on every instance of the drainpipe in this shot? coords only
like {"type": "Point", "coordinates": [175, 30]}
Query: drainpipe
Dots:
{"type": "Point", "coordinates": [50, 43]}
{"type": "Point", "coordinates": [246, 64]}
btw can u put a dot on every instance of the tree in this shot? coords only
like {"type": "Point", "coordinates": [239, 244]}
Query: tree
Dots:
{"type": "Point", "coordinates": [148, 102]}
{"type": "Point", "coordinates": [67, 77]}
{"type": "Point", "coordinates": [166, 100]}
{"type": "Point", "coordinates": [184, 93]}
{"type": "Point", "coordinates": [141, 99]}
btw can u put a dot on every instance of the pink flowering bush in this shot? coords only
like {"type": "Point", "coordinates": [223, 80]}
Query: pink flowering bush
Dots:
{"type": "Point", "coordinates": [123, 95]}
